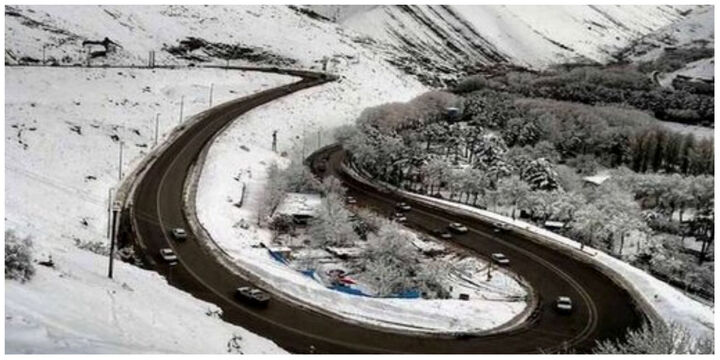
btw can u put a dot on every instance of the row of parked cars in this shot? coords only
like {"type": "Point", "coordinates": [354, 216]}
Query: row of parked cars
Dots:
{"type": "Point", "coordinates": [249, 295]}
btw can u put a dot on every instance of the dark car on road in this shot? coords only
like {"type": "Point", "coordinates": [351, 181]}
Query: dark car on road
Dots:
{"type": "Point", "coordinates": [179, 234]}
{"type": "Point", "coordinates": [402, 206]}
{"type": "Point", "coordinates": [457, 228]}
{"type": "Point", "coordinates": [252, 296]}
{"type": "Point", "coordinates": [500, 227]}
{"type": "Point", "coordinates": [442, 233]}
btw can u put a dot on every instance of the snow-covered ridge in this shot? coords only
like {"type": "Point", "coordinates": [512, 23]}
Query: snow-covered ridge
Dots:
{"type": "Point", "coordinates": [532, 36]}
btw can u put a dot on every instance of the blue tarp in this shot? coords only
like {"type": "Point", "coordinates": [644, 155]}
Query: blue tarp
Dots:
{"type": "Point", "coordinates": [278, 256]}
{"type": "Point", "coordinates": [409, 294]}
{"type": "Point", "coordinates": [349, 290]}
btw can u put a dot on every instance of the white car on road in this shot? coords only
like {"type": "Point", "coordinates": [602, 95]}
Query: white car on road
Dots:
{"type": "Point", "coordinates": [168, 255]}
{"type": "Point", "coordinates": [563, 304]}
{"type": "Point", "coordinates": [500, 259]}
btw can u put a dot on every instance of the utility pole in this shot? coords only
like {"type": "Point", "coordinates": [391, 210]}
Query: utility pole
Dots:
{"type": "Point", "coordinates": [120, 161]}
{"type": "Point", "coordinates": [157, 127]}
{"type": "Point", "coordinates": [303, 143]}
{"type": "Point", "coordinates": [110, 202]}
{"type": "Point", "coordinates": [182, 101]}
{"type": "Point", "coordinates": [489, 274]}
{"type": "Point", "coordinates": [43, 48]}
{"type": "Point", "coordinates": [274, 141]}
{"type": "Point", "coordinates": [211, 91]}
{"type": "Point", "coordinates": [115, 211]}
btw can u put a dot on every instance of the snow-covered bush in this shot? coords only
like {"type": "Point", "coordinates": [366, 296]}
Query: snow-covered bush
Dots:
{"type": "Point", "coordinates": [18, 257]}
{"type": "Point", "coordinates": [234, 345]}
{"type": "Point", "coordinates": [332, 226]}
{"type": "Point", "coordinates": [391, 264]}
{"type": "Point", "coordinates": [658, 339]}
{"type": "Point", "coordinates": [540, 174]}
{"type": "Point", "coordinates": [97, 247]}
{"type": "Point", "coordinates": [295, 178]}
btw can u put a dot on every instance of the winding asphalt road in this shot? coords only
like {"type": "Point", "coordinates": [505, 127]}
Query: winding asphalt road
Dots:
{"type": "Point", "coordinates": [603, 309]}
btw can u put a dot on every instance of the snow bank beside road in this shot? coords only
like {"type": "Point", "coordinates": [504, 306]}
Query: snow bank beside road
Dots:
{"type": "Point", "coordinates": [62, 126]}
{"type": "Point", "coordinates": [669, 303]}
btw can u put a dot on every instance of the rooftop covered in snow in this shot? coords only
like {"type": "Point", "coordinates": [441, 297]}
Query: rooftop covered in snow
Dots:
{"type": "Point", "coordinates": [298, 204]}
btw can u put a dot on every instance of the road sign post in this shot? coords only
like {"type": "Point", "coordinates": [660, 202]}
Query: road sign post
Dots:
{"type": "Point", "coordinates": [113, 236]}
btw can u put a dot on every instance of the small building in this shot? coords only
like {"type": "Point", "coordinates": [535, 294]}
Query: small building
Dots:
{"type": "Point", "coordinates": [300, 207]}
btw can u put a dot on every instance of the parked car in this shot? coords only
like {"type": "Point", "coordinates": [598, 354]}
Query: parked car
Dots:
{"type": "Point", "coordinates": [252, 296]}
{"type": "Point", "coordinates": [179, 233]}
{"type": "Point", "coordinates": [500, 259]}
{"type": "Point", "coordinates": [500, 226]}
{"type": "Point", "coordinates": [350, 200]}
{"type": "Point", "coordinates": [399, 217]}
{"type": "Point", "coordinates": [457, 228]}
{"type": "Point", "coordinates": [563, 305]}
{"type": "Point", "coordinates": [402, 206]}
{"type": "Point", "coordinates": [442, 233]}
{"type": "Point", "coordinates": [168, 255]}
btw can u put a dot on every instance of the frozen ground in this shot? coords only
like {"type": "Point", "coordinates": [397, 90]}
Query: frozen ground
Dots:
{"type": "Point", "coordinates": [241, 156]}
{"type": "Point", "coordinates": [669, 303]}
{"type": "Point", "coordinates": [62, 128]}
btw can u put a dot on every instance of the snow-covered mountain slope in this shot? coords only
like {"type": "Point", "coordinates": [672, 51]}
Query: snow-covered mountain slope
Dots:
{"type": "Point", "coordinates": [62, 126]}
{"type": "Point", "coordinates": [533, 36]}
{"type": "Point", "coordinates": [62, 133]}
{"type": "Point", "coordinates": [695, 29]}
{"type": "Point", "coordinates": [275, 35]}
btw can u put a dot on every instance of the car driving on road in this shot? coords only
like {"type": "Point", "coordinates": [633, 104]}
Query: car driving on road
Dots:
{"type": "Point", "coordinates": [168, 255]}
{"type": "Point", "coordinates": [500, 259]}
{"type": "Point", "coordinates": [350, 200]}
{"type": "Point", "coordinates": [457, 228]}
{"type": "Point", "coordinates": [179, 234]}
{"type": "Point", "coordinates": [500, 227]}
{"type": "Point", "coordinates": [402, 206]}
{"type": "Point", "coordinates": [399, 217]}
{"type": "Point", "coordinates": [442, 233]}
{"type": "Point", "coordinates": [563, 305]}
{"type": "Point", "coordinates": [252, 296]}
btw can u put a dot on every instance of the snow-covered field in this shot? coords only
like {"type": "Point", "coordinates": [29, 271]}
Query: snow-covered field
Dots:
{"type": "Point", "coordinates": [62, 129]}
{"type": "Point", "coordinates": [242, 155]}
{"type": "Point", "coordinates": [669, 303]}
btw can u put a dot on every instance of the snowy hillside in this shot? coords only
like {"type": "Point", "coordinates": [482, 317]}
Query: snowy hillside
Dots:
{"type": "Point", "coordinates": [63, 128]}
{"type": "Point", "coordinates": [452, 37]}
{"type": "Point", "coordinates": [695, 29]}
{"type": "Point", "coordinates": [273, 35]}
